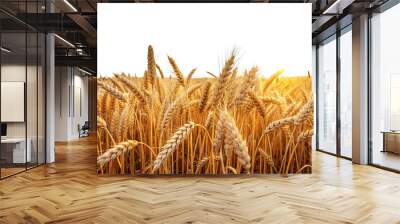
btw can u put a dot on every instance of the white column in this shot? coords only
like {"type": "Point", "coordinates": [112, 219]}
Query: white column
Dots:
{"type": "Point", "coordinates": [360, 90]}
{"type": "Point", "coordinates": [50, 100]}
{"type": "Point", "coordinates": [314, 90]}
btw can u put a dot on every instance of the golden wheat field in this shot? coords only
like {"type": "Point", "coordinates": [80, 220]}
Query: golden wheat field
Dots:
{"type": "Point", "coordinates": [230, 123]}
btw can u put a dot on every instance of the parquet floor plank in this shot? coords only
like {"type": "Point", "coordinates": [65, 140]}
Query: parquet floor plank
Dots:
{"type": "Point", "coordinates": [69, 191]}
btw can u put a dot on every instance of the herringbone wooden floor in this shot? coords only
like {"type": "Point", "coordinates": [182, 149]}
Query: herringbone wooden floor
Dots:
{"type": "Point", "coordinates": [70, 192]}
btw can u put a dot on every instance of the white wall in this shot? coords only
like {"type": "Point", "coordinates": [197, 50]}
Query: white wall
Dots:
{"type": "Point", "coordinates": [70, 83]}
{"type": "Point", "coordinates": [12, 73]}
{"type": "Point", "coordinates": [33, 127]}
{"type": "Point", "coordinates": [62, 82]}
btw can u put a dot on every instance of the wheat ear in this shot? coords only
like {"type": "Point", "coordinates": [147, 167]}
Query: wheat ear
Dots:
{"type": "Point", "coordinates": [223, 80]}
{"type": "Point", "coordinates": [269, 159]}
{"type": "Point", "coordinates": [303, 136]}
{"type": "Point", "coordinates": [160, 71]}
{"type": "Point", "coordinates": [270, 100]}
{"type": "Point", "coordinates": [134, 90]}
{"type": "Point", "coordinates": [172, 144]}
{"type": "Point", "coordinates": [204, 97]}
{"type": "Point", "coordinates": [151, 65]}
{"type": "Point", "coordinates": [219, 134]}
{"type": "Point", "coordinates": [209, 119]}
{"type": "Point", "coordinates": [305, 111]}
{"type": "Point", "coordinates": [101, 123]}
{"type": "Point", "coordinates": [257, 103]}
{"type": "Point", "coordinates": [115, 151]}
{"type": "Point", "coordinates": [249, 81]}
{"type": "Point", "coordinates": [190, 76]}
{"type": "Point", "coordinates": [168, 115]}
{"type": "Point", "coordinates": [177, 71]}
{"type": "Point", "coordinates": [113, 91]}
{"type": "Point", "coordinates": [271, 79]}
{"type": "Point", "coordinates": [279, 123]}
{"type": "Point", "coordinates": [233, 139]}
{"type": "Point", "coordinates": [146, 80]}
{"type": "Point", "coordinates": [193, 89]}
{"type": "Point", "coordinates": [201, 164]}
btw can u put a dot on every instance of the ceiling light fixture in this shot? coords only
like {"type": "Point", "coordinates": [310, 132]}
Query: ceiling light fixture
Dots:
{"type": "Point", "coordinates": [70, 5]}
{"type": "Point", "coordinates": [84, 71]}
{"type": "Point", "coordinates": [5, 50]}
{"type": "Point", "coordinates": [337, 7]}
{"type": "Point", "coordinates": [64, 40]}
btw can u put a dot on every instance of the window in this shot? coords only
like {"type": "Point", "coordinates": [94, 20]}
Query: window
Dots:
{"type": "Point", "coordinates": [346, 93]}
{"type": "Point", "coordinates": [385, 89]}
{"type": "Point", "coordinates": [327, 96]}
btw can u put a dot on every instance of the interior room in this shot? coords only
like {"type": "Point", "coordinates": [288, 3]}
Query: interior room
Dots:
{"type": "Point", "coordinates": [143, 130]}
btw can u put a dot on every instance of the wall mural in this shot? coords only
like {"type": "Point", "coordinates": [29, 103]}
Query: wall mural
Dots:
{"type": "Point", "coordinates": [236, 122]}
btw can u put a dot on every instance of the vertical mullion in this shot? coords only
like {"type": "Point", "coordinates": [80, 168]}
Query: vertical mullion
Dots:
{"type": "Point", "coordinates": [37, 90]}
{"type": "Point", "coordinates": [338, 81]}
{"type": "Point", "coordinates": [369, 96]}
{"type": "Point", "coordinates": [317, 97]}
{"type": "Point", "coordinates": [26, 86]}
{"type": "Point", "coordinates": [44, 79]}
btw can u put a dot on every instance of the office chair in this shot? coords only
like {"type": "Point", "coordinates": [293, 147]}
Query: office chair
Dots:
{"type": "Point", "coordinates": [84, 130]}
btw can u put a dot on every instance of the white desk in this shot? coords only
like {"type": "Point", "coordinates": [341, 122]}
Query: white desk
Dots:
{"type": "Point", "coordinates": [18, 148]}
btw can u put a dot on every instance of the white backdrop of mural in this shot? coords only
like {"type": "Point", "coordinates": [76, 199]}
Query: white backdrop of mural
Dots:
{"type": "Point", "coordinates": [272, 36]}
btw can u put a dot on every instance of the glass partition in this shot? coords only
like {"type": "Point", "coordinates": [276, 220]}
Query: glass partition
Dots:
{"type": "Point", "coordinates": [22, 77]}
{"type": "Point", "coordinates": [14, 153]}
